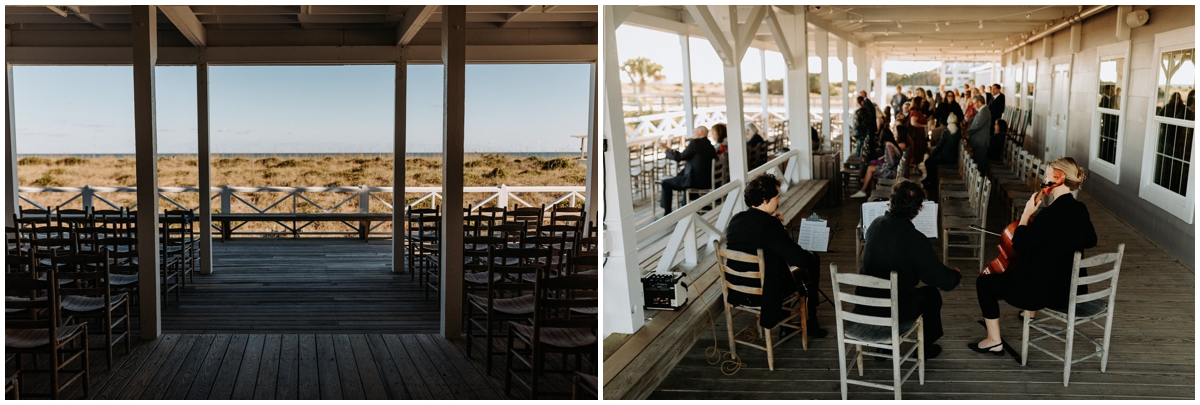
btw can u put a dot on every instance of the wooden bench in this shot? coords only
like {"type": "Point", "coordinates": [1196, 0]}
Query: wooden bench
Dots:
{"type": "Point", "coordinates": [364, 220]}
{"type": "Point", "coordinates": [634, 364]}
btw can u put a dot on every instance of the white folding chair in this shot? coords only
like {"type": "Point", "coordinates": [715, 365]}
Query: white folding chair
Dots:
{"type": "Point", "coordinates": [796, 320]}
{"type": "Point", "coordinates": [874, 331]}
{"type": "Point", "coordinates": [1080, 309]}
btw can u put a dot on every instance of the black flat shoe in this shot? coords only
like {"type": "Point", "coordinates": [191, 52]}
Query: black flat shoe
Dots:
{"type": "Point", "coordinates": [933, 351]}
{"type": "Point", "coordinates": [987, 350]}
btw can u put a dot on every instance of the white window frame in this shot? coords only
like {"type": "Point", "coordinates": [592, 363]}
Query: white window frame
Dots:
{"type": "Point", "coordinates": [1110, 171]}
{"type": "Point", "coordinates": [1182, 206]}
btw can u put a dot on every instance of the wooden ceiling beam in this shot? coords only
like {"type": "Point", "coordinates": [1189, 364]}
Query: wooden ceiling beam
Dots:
{"type": "Point", "coordinates": [187, 23]}
{"type": "Point", "coordinates": [414, 19]}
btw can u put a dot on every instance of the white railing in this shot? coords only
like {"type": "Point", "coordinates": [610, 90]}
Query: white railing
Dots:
{"type": "Point", "coordinates": [687, 219]}
{"type": "Point", "coordinates": [296, 197]}
{"type": "Point", "coordinates": [647, 128]}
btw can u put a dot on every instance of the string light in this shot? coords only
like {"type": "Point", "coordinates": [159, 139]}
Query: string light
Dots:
{"type": "Point", "coordinates": [918, 40]}
{"type": "Point", "coordinates": [936, 27]}
{"type": "Point", "coordinates": [885, 32]}
{"type": "Point", "coordinates": [980, 42]}
{"type": "Point", "coordinates": [980, 24]}
{"type": "Point", "coordinates": [898, 24]}
{"type": "Point", "coordinates": [951, 42]}
{"type": "Point", "coordinates": [1028, 16]}
{"type": "Point", "coordinates": [860, 19]}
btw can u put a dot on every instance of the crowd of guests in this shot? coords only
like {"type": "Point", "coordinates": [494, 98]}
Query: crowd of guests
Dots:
{"type": "Point", "coordinates": [918, 118]}
{"type": "Point", "coordinates": [698, 157]}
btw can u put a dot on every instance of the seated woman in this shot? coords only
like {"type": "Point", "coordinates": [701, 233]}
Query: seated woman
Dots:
{"type": "Point", "coordinates": [722, 138]}
{"type": "Point", "coordinates": [885, 168]}
{"type": "Point", "coordinates": [1046, 248]}
{"type": "Point", "coordinates": [996, 143]}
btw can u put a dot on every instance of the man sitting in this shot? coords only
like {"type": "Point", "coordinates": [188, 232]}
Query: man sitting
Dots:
{"type": "Point", "coordinates": [894, 244]}
{"type": "Point", "coordinates": [760, 227]}
{"type": "Point", "coordinates": [699, 155]}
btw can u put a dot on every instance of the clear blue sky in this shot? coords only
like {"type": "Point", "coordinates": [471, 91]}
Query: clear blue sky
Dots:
{"type": "Point", "coordinates": [300, 109]}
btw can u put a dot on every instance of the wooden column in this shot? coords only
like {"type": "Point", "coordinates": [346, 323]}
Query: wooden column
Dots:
{"type": "Point", "coordinates": [145, 54]}
{"type": "Point", "coordinates": [203, 159]}
{"type": "Point", "coordinates": [689, 113]}
{"type": "Point", "coordinates": [793, 31]}
{"type": "Point", "coordinates": [399, 152]}
{"type": "Point", "coordinates": [12, 204]}
{"type": "Point", "coordinates": [623, 312]}
{"type": "Point", "coordinates": [842, 54]}
{"type": "Point", "coordinates": [823, 55]}
{"type": "Point", "coordinates": [863, 78]}
{"type": "Point", "coordinates": [764, 92]}
{"type": "Point", "coordinates": [881, 87]}
{"type": "Point", "coordinates": [454, 55]}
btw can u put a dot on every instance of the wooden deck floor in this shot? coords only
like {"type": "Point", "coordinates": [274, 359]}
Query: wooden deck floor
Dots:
{"type": "Point", "coordinates": [1152, 355]}
{"type": "Point", "coordinates": [296, 286]}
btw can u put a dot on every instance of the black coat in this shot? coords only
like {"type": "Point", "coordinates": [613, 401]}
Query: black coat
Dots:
{"type": "Point", "coordinates": [754, 229]}
{"type": "Point", "coordinates": [699, 155]}
{"type": "Point", "coordinates": [944, 110]}
{"type": "Point", "coordinates": [894, 244]}
{"type": "Point", "coordinates": [996, 107]}
{"type": "Point", "coordinates": [1040, 276]}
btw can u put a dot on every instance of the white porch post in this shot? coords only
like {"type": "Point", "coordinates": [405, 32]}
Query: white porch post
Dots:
{"type": "Point", "coordinates": [792, 37]}
{"type": "Point", "coordinates": [842, 54]}
{"type": "Point", "coordinates": [12, 204]}
{"type": "Point", "coordinates": [204, 164]}
{"type": "Point", "coordinates": [145, 54]}
{"type": "Point", "coordinates": [689, 113]}
{"type": "Point", "coordinates": [880, 83]}
{"type": "Point", "coordinates": [623, 312]}
{"type": "Point", "coordinates": [823, 54]}
{"type": "Point", "coordinates": [399, 153]}
{"type": "Point", "coordinates": [454, 52]}
{"type": "Point", "coordinates": [763, 92]}
{"type": "Point", "coordinates": [863, 79]}
{"type": "Point", "coordinates": [593, 162]}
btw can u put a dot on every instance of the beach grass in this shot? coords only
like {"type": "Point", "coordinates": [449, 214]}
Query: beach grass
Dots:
{"type": "Point", "coordinates": [483, 170]}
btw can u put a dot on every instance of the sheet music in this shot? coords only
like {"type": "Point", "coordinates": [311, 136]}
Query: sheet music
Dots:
{"type": "Point", "coordinates": [814, 235]}
{"type": "Point", "coordinates": [925, 222]}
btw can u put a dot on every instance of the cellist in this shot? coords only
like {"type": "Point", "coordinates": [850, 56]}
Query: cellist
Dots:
{"type": "Point", "coordinates": [1040, 275]}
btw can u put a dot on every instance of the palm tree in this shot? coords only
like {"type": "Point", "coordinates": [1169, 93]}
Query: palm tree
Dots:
{"type": "Point", "coordinates": [639, 69]}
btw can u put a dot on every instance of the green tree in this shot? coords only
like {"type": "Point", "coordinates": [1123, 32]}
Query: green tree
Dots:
{"type": "Point", "coordinates": [929, 78]}
{"type": "Point", "coordinates": [773, 87]}
{"type": "Point", "coordinates": [639, 69]}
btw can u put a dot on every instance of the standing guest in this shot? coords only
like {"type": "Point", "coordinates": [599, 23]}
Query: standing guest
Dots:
{"type": "Point", "coordinates": [941, 94]}
{"type": "Point", "coordinates": [893, 244]}
{"type": "Point", "coordinates": [722, 138]}
{"type": "Point", "coordinates": [898, 99]}
{"type": "Point", "coordinates": [864, 125]}
{"type": "Point", "coordinates": [969, 111]}
{"type": "Point", "coordinates": [948, 106]}
{"type": "Point", "coordinates": [699, 155]}
{"type": "Point", "coordinates": [918, 121]}
{"type": "Point", "coordinates": [873, 110]}
{"type": "Point", "coordinates": [996, 105]}
{"type": "Point", "coordinates": [761, 227]}
{"type": "Point", "coordinates": [885, 168]}
{"type": "Point", "coordinates": [979, 134]}
{"type": "Point", "coordinates": [1042, 278]}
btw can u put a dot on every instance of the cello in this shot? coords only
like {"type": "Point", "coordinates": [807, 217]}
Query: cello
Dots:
{"type": "Point", "coordinates": [1007, 255]}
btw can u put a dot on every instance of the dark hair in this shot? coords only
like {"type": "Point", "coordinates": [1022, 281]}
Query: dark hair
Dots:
{"type": "Point", "coordinates": [760, 190]}
{"type": "Point", "coordinates": [860, 100]}
{"type": "Point", "coordinates": [720, 130]}
{"type": "Point", "coordinates": [1003, 126]}
{"type": "Point", "coordinates": [906, 199]}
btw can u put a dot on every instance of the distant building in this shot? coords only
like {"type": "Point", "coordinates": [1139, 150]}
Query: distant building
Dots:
{"type": "Point", "coordinates": [956, 74]}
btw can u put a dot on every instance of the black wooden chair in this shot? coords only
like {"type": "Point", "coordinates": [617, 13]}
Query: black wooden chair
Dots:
{"type": "Point", "coordinates": [556, 329]}
{"type": "Point", "coordinates": [509, 297]}
{"type": "Point", "coordinates": [91, 298]}
{"type": "Point", "coordinates": [45, 334]}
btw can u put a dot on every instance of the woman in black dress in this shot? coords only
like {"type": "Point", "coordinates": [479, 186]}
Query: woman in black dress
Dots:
{"type": "Point", "coordinates": [1040, 275]}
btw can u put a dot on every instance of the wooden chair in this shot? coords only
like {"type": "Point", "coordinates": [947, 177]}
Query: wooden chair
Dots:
{"type": "Point", "coordinates": [91, 297]}
{"type": "Point", "coordinates": [557, 329]}
{"type": "Point", "coordinates": [585, 386]}
{"type": "Point", "coordinates": [874, 331]}
{"type": "Point", "coordinates": [417, 233]}
{"type": "Point", "coordinates": [64, 343]}
{"type": "Point", "coordinates": [531, 217]}
{"type": "Point", "coordinates": [789, 304]}
{"type": "Point", "coordinates": [1081, 308]}
{"type": "Point", "coordinates": [172, 257]}
{"type": "Point", "coordinates": [183, 224]}
{"type": "Point", "coordinates": [509, 297]}
{"type": "Point", "coordinates": [477, 256]}
{"type": "Point", "coordinates": [959, 227]}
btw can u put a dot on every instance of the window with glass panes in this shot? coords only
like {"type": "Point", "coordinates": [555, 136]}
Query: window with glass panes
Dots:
{"type": "Point", "coordinates": [1175, 119]}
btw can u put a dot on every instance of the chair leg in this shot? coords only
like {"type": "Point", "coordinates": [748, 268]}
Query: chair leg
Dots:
{"type": "Point", "coordinates": [770, 349]}
{"type": "Point", "coordinates": [1070, 349]}
{"type": "Point", "coordinates": [859, 352]}
{"type": "Point", "coordinates": [842, 364]}
{"type": "Point", "coordinates": [729, 326]}
{"type": "Point", "coordinates": [1025, 337]}
{"type": "Point", "coordinates": [1107, 335]}
{"type": "Point", "coordinates": [804, 322]}
{"type": "Point", "coordinates": [921, 351]}
{"type": "Point", "coordinates": [896, 368]}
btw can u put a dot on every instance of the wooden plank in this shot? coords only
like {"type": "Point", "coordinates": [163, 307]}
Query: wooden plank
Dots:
{"type": "Point", "coordinates": [411, 377]}
{"type": "Point", "coordinates": [389, 373]}
{"type": "Point", "coordinates": [438, 359]}
{"type": "Point", "coordinates": [100, 379]}
{"type": "Point", "coordinates": [473, 377]}
{"type": "Point", "coordinates": [429, 373]}
{"type": "Point", "coordinates": [189, 371]}
{"type": "Point", "coordinates": [352, 387]}
{"type": "Point", "coordinates": [308, 374]}
{"type": "Point", "coordinates": [171, 366]}
{"type": "Point", "coordinates": [247, 374]}
{"type": "Point", "coordinates": [207, 375]}
{"type": "Point", "coordinates": [368, 372]}
{"type": "Point", "coordinates": [327, 368]}
{"type": "Point", "coordinates": [289, 366]}
{"type": "Point", "coordinates": [141, 377]}
{"type": "Point", "coordinates": [268, 369]}
{"type": "Point", "coordinates": [222, 387]}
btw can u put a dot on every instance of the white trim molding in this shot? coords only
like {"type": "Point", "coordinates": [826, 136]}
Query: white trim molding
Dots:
{"type": "Point", "coordinates": [1182, 206]}
{"type": "Point", "coordinates": [1101, 167]}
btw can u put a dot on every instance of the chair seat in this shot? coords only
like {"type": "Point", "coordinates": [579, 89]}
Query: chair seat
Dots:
{"type": "Point", "coordinates": [122, 279]}
{"type": "Point", "coordinates": [875, 334]}
{"type": "Point", "coordinates": [559, 337]}
{"type": "Point", "coordinates": [479, 277]}
{"type": "Point", "coordinates": [31, 338]}
{"type": "Point", "coordinates": [513, 306]}
{"type": "Point", "coordinates": [1083, 309]}
{"type": "Point", "coordinates": [79, 303]}
{"type": "Point", "coordinates": [15, 310]}
{"type": "Point", "coordinates": [952, 210]}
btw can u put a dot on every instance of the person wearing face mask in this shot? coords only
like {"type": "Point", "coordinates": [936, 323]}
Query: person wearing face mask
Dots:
{"type": "Point", "coordinates": [1046, 248]}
